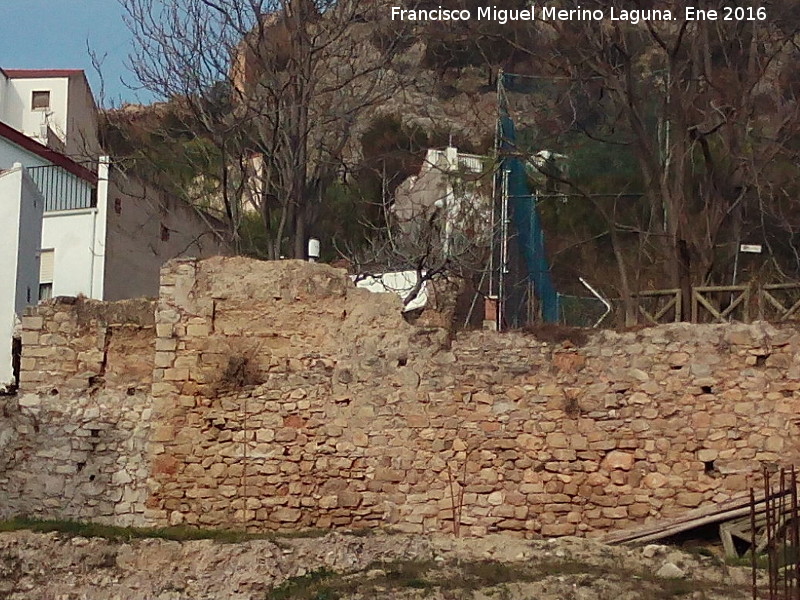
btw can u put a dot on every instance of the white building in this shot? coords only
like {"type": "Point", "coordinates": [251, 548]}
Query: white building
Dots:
{"type": "Point", "coordinates": [21, 206]}
{"type": "Point", "coordinates": [54, 107]}
{"type": "Point", "coordinates": [457, 184]}
{"type": "Point", "coordinates": [97, 232]}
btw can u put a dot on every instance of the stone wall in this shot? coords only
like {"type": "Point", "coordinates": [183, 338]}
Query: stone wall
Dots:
{"type": "Point", "coordinates": [285, 399]}
{"type": "Point", "coordinates": [282, 397]}
{"type": "Point", "coordinates": [77, 344]}
{"type": "Point", "coordinates": [72, 442]}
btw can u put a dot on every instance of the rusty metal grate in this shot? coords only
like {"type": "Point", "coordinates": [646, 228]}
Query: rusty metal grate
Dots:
{"type": "Point", "coordinates": [775, 536]}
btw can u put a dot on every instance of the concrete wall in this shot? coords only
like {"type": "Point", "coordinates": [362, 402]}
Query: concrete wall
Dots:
{"type": "Point", "coordinates": [19, 114]}
{"type": "Point", "coordinates": [10, 200]}
{"type": "Point", "coordinates": [62, 184]}
{"type": "Point", "coordinates": [115, 249]}
{"type": "Point", "coordinates": [21, 208]}
{"type": "Point", "coordinates": [30, 236]}
{"type": "Point", "coordinates": [3, 93]}
{"type": "Point", "coordinates": [282, 397]}
{"type": "Point", "coordinates": [71, 235]}
{"type": "Point", "coordinates": [11, 153]}
{"type": "Point", "coordinates": [140, 217]}
{"type": "Point", "coordinates": [82, 136]}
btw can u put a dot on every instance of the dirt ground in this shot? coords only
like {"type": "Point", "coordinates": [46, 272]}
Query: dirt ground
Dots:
{"type": "Point", "coordinates": [343, 566]}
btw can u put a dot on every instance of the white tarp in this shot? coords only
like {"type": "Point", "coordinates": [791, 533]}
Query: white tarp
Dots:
{"type": "Point", "coordinates": [399, 282]}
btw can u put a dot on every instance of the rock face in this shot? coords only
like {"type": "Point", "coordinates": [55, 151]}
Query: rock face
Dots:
{"type": "Point", "coordinates": [281, 397]}
{"type": "Point", "coordinates": [35, 566]}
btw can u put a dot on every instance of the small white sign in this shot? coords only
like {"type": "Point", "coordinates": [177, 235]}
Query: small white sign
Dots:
{"type": "Point", "coordinates": [750, 248]}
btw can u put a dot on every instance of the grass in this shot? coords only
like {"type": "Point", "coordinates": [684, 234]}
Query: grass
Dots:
{"type": "Point", "coordinates": [410, 574]}
{"type": "Point", "coordinates": [312, 586]}
{"type": "Point", "coordinates": [324, 584]}
{"type": "Point", "coordinates": [762, 561]}
{"type": "Point", "coordinates": [178, 534]}
{"type": "Point", "coordinates": [379, 579]}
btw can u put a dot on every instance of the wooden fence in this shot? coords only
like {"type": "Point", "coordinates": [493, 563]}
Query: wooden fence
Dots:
{"type": "Point", "coordinates": [720, 304]}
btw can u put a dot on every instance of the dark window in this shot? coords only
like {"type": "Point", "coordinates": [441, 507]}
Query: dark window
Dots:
{"type": "Point", "coordinates": [118, 205]}
{"type": "Point", "coordinates": [45, 291]}
{"type": "Point", "coordinates": [40, 100]}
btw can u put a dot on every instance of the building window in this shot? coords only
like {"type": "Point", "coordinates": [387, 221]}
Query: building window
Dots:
{"type": "Point", "coordinates": [40, 100]}
{"type": "Point", "coordinates": [46, 261]}
{"type": "Point", "coordinates": [45, 291]}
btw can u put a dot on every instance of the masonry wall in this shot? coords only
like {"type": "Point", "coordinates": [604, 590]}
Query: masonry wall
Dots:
{"type": "Point", "coordinates": [283, 399]}
{"type": "Point", "coordinates": [278, 396]}
{"type": "Point", "coordinates": [145, 228]}
{"type": "Point", "coordinates": [73, 441]}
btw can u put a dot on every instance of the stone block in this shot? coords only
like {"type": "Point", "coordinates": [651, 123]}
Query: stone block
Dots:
{"type": "Point", "coordinates": [707, 454]}
{"type": "Point", "coordinates": [391, 475]}
{"type": "Point", "coordinates": [618, 460]}
{"type": "Point", "coordinates": [163, 433]}
{"type": "Point", "coordinates": [32, 322]}
{"type": "Point", "coordinates": [558, 529]}
{"type": "Point", "coordinates": [286, 515]}
{"type": "Point", "coordinates": [654, 480]}
{"type": "Point", "coordinates": [496, 498]}
{"type": "Point", "coordinates": [689, 499]}
{"type": "Point", "coordinates": [557, 440]}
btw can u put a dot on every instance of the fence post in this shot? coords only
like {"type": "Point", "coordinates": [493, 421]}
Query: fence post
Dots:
{"type": "Point", "coordinates": [746, 312]}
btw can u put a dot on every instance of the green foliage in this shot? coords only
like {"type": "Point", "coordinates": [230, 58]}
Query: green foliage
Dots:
{"type": "Point", "coordinates": [346, 216]}
{"type": "Point", "coordinates": [254, 236]}
{"type": "Point", "coordinates": [161, 144]}
{"type": "Point", "coordinates": [311, 586]}
{"type": "Point", "coordinates": [179, 534]}
{"type": "Point", "coordinates": [110, 532]}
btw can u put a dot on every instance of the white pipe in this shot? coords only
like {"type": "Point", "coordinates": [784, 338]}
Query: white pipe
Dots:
{"type": "Point", "coordinates": [99, 230]}
{"type": "Point", "coordinates": [599, 297]}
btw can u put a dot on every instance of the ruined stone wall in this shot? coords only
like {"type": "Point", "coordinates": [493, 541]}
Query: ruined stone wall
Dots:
{"type": "Point", "coordinates": [284, 398]}
{"type": "Point", "coordinates": [277, 396]}
{"type": "Point", "coordinates": [72, 442]}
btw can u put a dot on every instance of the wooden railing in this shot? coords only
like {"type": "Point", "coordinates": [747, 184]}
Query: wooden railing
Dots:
{"type": "Point", "coordinates": [720, 304]}
{"type": "Point", "coordinates": [658, 306]}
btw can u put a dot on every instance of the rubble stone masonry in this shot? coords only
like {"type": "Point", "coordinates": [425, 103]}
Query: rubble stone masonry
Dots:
{"type": "Point", "coordinates": [278, 396]}
{"type": "Point", "coordinates": [72, 442]}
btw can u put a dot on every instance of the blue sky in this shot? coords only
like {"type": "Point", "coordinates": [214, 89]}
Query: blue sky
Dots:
{"type": "Point", "coordinates": [42, 34]}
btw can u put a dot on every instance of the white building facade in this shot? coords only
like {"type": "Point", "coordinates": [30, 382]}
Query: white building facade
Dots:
{"type": "Point", "coordinates": [97, 232]}
{"type": "Point", "coordinates": [21, 208]}
{"type": "Point", "coordinates": [55, 107]}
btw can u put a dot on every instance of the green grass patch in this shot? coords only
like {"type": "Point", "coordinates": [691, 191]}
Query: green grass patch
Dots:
{"type": "Point", "coordinates": [114, 533]}
{"type": "Point", "coordinates": [317, 585]}
{"type": "Point", "coordinates": [762, 561]}
{"type": "Point", "coordinates": [178, 534]}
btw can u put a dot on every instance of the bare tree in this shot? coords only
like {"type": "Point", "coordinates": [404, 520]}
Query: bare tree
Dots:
{"type": "Point", "coordinates": [707, 109]}
{"type": "Point", "coordinates": [435, 225]}
{"type": "Point", "coordinates": [278, 86]}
